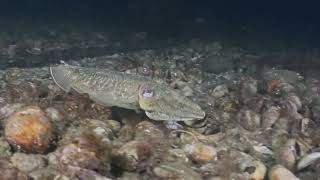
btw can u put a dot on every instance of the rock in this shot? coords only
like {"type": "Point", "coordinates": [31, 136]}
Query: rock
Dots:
{"type": "Point", "coordinates": [148, 130]}
{"type": "Point", "coordinates": [27, 162]}
{"type": "Point", "coordinates": [201, 153]}
{"type": "Point", "coordinates": [83, 153]}
{"type": "Point", "coordinates": [173, 170]}
{"type": "Point", "coordinates": [9, 172]}
{"type": "Point", "coordinates": [287, 154]}
{"type": "Point", "coordinates": [259, 172]}
{"type": "Point", "coordinates": [249, 119]}
{"type": "Point", "coordinates": [29, 130]}
{"type": "Point", "coordinates": [131, 153]}
{"type": "Point", "coordinates": [270, 116]}
{"type": "Point", "coordinates": [5, 149]}
{"type": "Point", "coordinates": [8, 109]}
{"type": "Point", "coordinates": [220, 91]}
{"type": "Point", "coordinates": [54, 114]}
{"type": "Point", "coordinates": [218, 63]}
{"type": "Point", "coordinates": [47, 173]}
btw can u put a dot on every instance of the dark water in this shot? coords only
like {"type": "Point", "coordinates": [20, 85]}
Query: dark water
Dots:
{"type": "Point", "coordinates": [281, 26]}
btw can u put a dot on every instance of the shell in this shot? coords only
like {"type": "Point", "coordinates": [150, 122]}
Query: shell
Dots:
{"type": "Point", "coordinates": [249, 119]}
{"type": "Point", "coordinates": [292, 103]}
{"type": "Point", "coordinates": [287, 154]}
{"type": "Point", "coordinates": [304, 145]}
{"type": "Point", "coordinates": [270, 116]}
{"type": "Point", "coordinates": [260, 171]}
{"type": "Point", "coordinates": [248, 88]}
{"type": "Point", "coordinates": [29, 130]}
{"type": "Point", "coordinates": [308, 160]}
{"type": "Point", "coordinates": [278, 172]}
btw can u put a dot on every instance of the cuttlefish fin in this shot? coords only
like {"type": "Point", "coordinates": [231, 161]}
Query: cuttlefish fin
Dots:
{"type": "Point", "coordinates": [60, 77]}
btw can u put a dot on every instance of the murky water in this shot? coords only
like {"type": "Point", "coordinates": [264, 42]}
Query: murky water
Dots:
{"type": "Point", "coordinates": [254, 73]}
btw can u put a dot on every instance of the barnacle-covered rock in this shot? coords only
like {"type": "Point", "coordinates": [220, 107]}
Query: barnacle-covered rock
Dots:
{"type": "Point", "coordinates": [29, 130]}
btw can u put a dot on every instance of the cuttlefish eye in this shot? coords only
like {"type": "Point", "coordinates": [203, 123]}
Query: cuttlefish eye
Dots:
{"type": "Point", "coordinates": [147, 92]}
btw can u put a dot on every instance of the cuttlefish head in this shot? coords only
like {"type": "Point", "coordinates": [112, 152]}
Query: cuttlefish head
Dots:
{"type": "Point", "coordinates": [163, 103]}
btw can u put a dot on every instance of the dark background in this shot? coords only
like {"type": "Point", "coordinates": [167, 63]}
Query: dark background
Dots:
{"type": "Point", "coordinates": [294, 21]}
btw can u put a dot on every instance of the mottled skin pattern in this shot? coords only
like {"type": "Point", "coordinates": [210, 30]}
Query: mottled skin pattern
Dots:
{"type": "Point", "coordinates": [110, 88]}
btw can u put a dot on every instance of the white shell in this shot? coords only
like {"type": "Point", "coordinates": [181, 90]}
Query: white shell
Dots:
{"type": "Point", "coordinates": [308, 160]}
